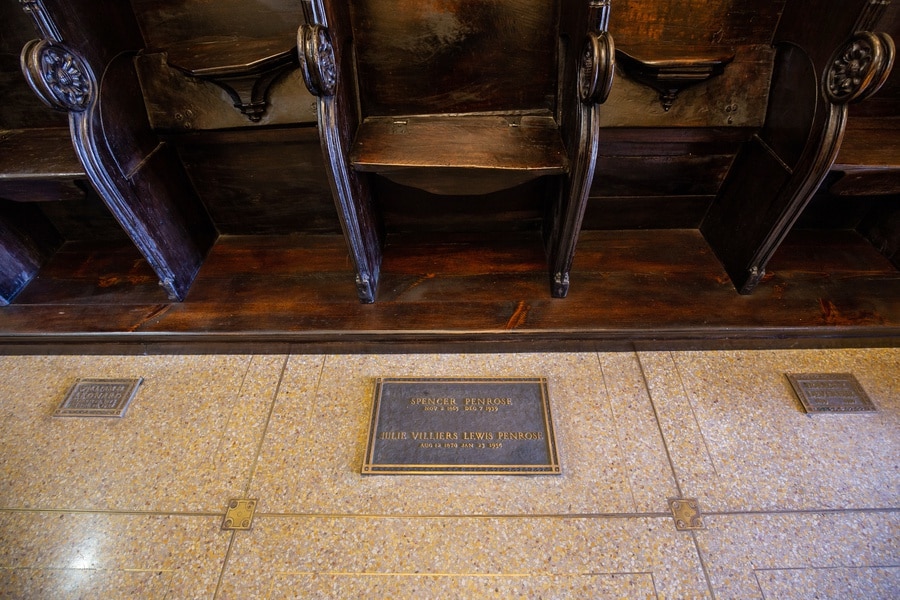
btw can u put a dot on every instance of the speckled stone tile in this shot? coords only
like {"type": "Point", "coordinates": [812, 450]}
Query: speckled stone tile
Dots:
{"type": "Point", "coordinates": [644, 453]}
{"type": "Point", "coordinates": [83, 555]}
{"type": "Point", "coordinates": [82, 583]}
{"type": "Point", "coordinates": [830, 583]}
{"type": "Point", "coordinates": [739, 439]}
{"type": "Point", "coordinates": [318, 437]}
{"type": "Point", "coordinates": [187, 442]}
{"type": "Point", "coordinates": [596, 586]}
{"type": "Point", "coordinates": [479, 556]}
{"type": "Point", "coordinates": [823, 555]}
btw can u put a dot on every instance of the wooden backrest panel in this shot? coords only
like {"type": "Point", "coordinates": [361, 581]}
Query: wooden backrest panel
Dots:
{"type": "Point", "coordinates": [449, 56]}
{"type": "Point", "coordinates": [688, 22]}
{"type": "Point", "coordinates": [169, 22]}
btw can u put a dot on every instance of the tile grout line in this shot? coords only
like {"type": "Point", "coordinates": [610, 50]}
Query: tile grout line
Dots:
{"type": "Point", "coordinates": [561, 516]}
{"type": "Point", "coordinates": [112, 512]}
{"type": "Point", "coordinates": [616, 426]}
{"type": "Point", "coordinates": [315, 394]}
{"type": "Point", "coordinates": [709, 585]}
{"type": "Point", "coordinates": [687, 397]}
{"type": "Point", "coordinates": [224, 566]}
{"type": "Point", "coordinates": [231, 414]}
{"type": "Point", "coordinates": [259, 447]}
{"type": "Point", "coordinates": [802, 511]}
{"type": "Point", "coordinates": [699, 554]}
{"type": "Point", "coordinates": [659, 427]}
{"type": "Point", "coordinates": [635, 515]}
{"type": "Point", "coordinates": [762, 593]}
{"type": "Point", "coordinates": [262, 437]}
{"type": "Point", "coordinates": [469, 574]}
{"type": "Point", "coordinates": [824, 568]}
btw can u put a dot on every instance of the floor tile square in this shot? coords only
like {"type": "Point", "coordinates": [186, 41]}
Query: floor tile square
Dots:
{"type": "Point", "coordinates": [61, 555]}
{"type": "Point", "coordinates": [740, 440]}
{"type": "Point", "coordinates": [187, 443]}
{"type": "Point", "coordinates": [835, 555]}
{"type": "Point", "coordinates": [313, 453]}
{"type": "Point", "coordinates": [471, 557]}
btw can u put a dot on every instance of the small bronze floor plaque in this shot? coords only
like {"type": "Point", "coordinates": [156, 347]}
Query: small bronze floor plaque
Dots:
{"type": "Point", "coordinates": [686, 512]}
{"type": "Point", "coordinates": [830, 393]}
{"type": "Point", "coordinates": [98, 398]}
{"type": "Point", "coordinates": [461, 426]}
{"type": "Point", "coordinates": [239, 514]}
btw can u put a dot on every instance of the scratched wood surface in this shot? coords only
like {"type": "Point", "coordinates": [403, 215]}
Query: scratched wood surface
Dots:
{"type": "Point", "coordinates": [657, 288]}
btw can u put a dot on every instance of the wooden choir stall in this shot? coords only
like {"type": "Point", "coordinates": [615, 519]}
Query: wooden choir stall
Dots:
{"type": "Point", "coordinates": [466, 175]}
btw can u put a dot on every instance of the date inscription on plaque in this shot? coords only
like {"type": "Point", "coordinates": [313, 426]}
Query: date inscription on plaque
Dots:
{"type": "Point", "coordinates": [461, 426]}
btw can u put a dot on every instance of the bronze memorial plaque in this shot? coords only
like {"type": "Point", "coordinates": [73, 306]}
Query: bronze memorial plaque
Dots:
{"type": "Point", "coordinates": [98, 398]}
{"type": "Point", "coordinates": [830, 393]}
{"type": "Point", "coordinates": [461, 426]}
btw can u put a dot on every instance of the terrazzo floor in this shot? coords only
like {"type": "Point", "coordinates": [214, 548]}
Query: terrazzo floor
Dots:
{"type": "Point", "coordinates": [794, 506]}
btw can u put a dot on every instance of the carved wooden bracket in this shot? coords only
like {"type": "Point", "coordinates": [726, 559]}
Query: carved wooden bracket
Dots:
{"type": "Point", "coordinates": [671, 70]}
{"type": "Point", "coordinates": [87, 70]}
{"type": "Point", "coordinates": [807, 116]}
{"type": "Point", "coordinates": [229, 65]}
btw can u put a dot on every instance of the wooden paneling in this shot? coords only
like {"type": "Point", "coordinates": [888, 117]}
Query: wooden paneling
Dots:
{"type": "Point", "coordinates": [27, 239]}
{"type": "Point", "coordinates": [410, 210]}
{"type": "Point", "coordinates": [262, 181]}
{"type": "Point", "coordinates": [475, 55]}
{"type": "Point", "coordinates": [168, 22]}
{"type": "Point", "coordinates": [464, 271]}
{"type": "Point", "coordinates": [724, 22]}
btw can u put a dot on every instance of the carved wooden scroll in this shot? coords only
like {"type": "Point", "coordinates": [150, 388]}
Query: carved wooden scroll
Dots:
{"type": "Point", "coordinates": [83, 65]}
{"type": "Point", "coordinates": [825, 59]}
{"type": "Point", "coordinates": [326, 64]}
{"type": "Point", "coordinates": [586, 85]}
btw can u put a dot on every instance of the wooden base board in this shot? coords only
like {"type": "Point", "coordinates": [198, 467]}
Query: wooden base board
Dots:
{"type": "Point", "coordinates": [630, 289]}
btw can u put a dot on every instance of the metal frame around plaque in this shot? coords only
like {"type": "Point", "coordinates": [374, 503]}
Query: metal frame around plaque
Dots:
{"type": "Point", "coordinates": [546, 444]}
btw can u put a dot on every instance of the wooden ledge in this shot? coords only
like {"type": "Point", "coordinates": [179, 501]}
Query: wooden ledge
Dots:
{"type": "Point", "coordinates": [460, 154]}
{"type": "Point", "coordinates": [230, 57]}
{"type": "Point", "coordinates": [38, 154]}
{"type": "Point", "coordinates": [245, 68]}
{"type": "Point", "coordinates": [670, 69]}
{"type": "Point", "coordinates": [869, 158]}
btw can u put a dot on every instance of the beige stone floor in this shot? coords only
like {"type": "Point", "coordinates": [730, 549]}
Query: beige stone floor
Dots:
{"type": "Point", "coordinates": [795, 506]}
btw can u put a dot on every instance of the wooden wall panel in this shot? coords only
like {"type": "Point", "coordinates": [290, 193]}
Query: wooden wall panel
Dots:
{"type": "Point", "coordinates": [409, 210]}
{"type": "Point", "coordinates": [725, 22]}
{"type": "Point", "coordinates": [261, 181]}
{"type": "Point", "coordinates": [450, 61]}
{"type": "Point", "coordinates": [168, 22]}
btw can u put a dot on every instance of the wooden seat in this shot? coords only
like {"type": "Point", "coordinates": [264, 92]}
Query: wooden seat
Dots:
{"type": "Point", "coordinates": [466, 154]}
{"type": "Point", "coordinates": [456, 98]}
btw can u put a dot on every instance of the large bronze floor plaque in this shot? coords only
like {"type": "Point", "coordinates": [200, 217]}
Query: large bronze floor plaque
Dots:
{"type": "Point", "coordinates": [461, 426]}
{"type": "Point", "coordinates": [830, 393]}
{"type": "Point", "coordinates": [98, 398]}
